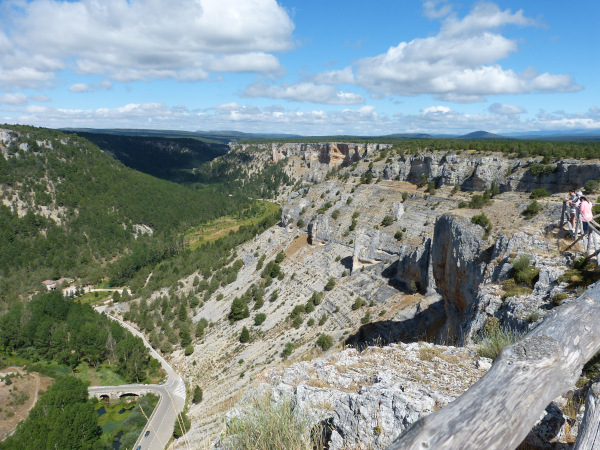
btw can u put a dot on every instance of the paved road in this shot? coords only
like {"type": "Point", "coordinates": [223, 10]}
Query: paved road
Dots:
{"type": "Point", "coordinates": [172, 398]}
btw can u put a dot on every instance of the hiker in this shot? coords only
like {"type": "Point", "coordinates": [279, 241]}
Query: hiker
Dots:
{"type": "Point", "coordinates": [585, 207]}
{"type": "Point", "coordinates": [572, 202]}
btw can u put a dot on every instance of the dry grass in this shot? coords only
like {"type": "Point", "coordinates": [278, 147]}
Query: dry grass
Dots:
{"type": "Point", "coordinates": [267, 425]}
{"type": "Point", "coordinates": [428, 353]}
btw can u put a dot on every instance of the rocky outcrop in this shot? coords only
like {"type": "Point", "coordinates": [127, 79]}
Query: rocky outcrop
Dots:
{"type": "Point", "coordinates": [371, 247]}
{"type": "Point", "coordinates": [458, 262]}
{"type": "Point", "coordinates": [368, 398]}
{"type": "Point", "coordinates": [475, 173]}
{"type": "Point", "coordinates": [292, 211]}
{"type": "Point", "coordinates": [398, 209]}
{"type": "Point", "coordinates": [319, 230]}
{"type": "Point", "coordinates": [413, 268]}
{"type": "Point", "coordinates": [329, 153]}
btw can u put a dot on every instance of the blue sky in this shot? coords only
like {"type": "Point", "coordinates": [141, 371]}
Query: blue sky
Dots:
{"type": "Point", "coordinates": [302, 67]}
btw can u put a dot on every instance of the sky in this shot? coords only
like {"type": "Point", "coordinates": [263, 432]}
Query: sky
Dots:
{"type": "Point", "coordinates": [302, 66]}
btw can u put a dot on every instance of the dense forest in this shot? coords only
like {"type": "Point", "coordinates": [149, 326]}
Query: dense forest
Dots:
{"type": "Point", "coordinates": [163, 157]}
{"type": "Point", "coordinates": [68, 208]}
{"type": "Point", "coordinates": [62, 418]}
{"type": "Point", "coordinates": [513, 148]}
{"type": "Point", "coordinates": [52, 328]}
{"type": "Point", "coordinates": [518, 148]}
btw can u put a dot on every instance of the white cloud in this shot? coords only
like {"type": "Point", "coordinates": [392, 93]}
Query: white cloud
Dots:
{"type": "Point", "coordinates": [245, 62]}
{"type": "Point", "coordinates": [484, 16]}
{"type": "Point", "coordinates": [304, 92]}
{"type": "Point", "coordinates": [364, 120]}
{"type": "Point", "coordinates": [436, 110]}
{"type": "Point", "coordinates": [344, 76]}
{"type": "Point", "coordinates": [92, 87]}
{"type": "Point", "coordinates": [459, 63]}
{"type": "Point", "coordinates": [40, 98]}
{"type": "Point", "coordinates": [14, 99]}
{"type": "Point", "coordinates": [507, 110]}
{"type": "Point", "coordinates": [141, 39]}
{"type": "Point", "coordinates": [79, 87]}
{"type": "Point", "coordinates": [429, 8]}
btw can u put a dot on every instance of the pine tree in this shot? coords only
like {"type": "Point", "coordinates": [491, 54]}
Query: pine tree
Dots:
{"type": "Point", "coordinates": [245, 335]}
{"type": "Point", "coordinates": [198, 394]}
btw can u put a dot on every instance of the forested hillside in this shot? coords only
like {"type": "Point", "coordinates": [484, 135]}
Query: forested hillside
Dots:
{"type": "Point", "coordinates": [68, 208]}
{"type": "Point", "coordinates": [51, 328]}
{"type": "Point", "coordinates": [169, 158]}
{"type": "Point", "coordinates": [249, 172]}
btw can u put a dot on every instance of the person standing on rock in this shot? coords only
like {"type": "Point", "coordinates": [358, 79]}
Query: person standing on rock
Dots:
{"type": "Point", "coordinates": [572, 202]}
{"type": "Point", "coordinates": [585, 207]}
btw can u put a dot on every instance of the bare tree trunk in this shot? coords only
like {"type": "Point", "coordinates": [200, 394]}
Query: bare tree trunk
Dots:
{"type": "Point", "coordinates": [588, 437]}
{"type": "Point", "coordinates": [500, 409]}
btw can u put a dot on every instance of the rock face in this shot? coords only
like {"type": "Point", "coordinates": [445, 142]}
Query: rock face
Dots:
{"type": "Point", "coordinates": [369, 398]}
{"type": "Point", "coordinates": [292, 211]}
{"type": "Point", "coordinates": [330, 153]}
{"type": "Point", "coordinates": [371, 247]}
{"type": "Point", "coordinates": [319, 230]}
{"type": "Point", "coordinates": [458, 266]}
{"type": "Point", "coordinates": [475, 173]}
{"type": "Point", "coordinates": [413, 268]}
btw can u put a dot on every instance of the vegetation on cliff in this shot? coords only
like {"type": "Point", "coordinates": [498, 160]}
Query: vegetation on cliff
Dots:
{"type": "Point", "coordinates": [72, 208]}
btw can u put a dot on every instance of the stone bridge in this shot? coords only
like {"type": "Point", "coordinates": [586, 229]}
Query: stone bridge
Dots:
{"type": "Point", "coordinates": [111, 393]}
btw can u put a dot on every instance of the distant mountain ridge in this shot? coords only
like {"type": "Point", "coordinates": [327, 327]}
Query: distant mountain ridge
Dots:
{"type": "Point", "coordinates": [481, 135]}
{"type": "Point", "coordinates": [226, 136]}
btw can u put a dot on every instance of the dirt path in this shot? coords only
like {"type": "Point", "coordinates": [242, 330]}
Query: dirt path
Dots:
{"type": "Point", "coordinates": [13, 398]}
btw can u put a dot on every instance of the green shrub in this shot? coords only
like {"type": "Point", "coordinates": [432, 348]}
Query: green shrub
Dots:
{"type": "Point", "coordinates": [280, 257]}
{"type": "Point", "coordinates": [537, 169]}
{"type": "Point", "coordinates": [483, 221]}
{"type": "Point", "coordinates": [398, 235]}
{"type": "Point", "coordinates": [463, 204]}
{"type": "Point", "coordinates": [300, 223]}
{"type": "Point", "coordinates": [523, 272]}
{"type": "Point", "coordinates": [260, 318]}
{"type": "Point", "coordinates": [366, 318]}
{"type": "Point", "coordinates": [387, 221]}
{"type": "Point", "coordinates": [532, 210]}
{"type": "Point", "coordinates": [245, 335]}
{"type": "Point", "coordinates": [297, 321]}
{"type": "Point", "coordinates": [182, 425]}
{"type": "Point", "coordinates": [287, 349]}
{"type": "Point", "coordinates": [404, 196]}
{"type": "Point", "coordinates": [357, 303]}
{"type": "Point", "coordinates": [492, 340]}
{"type": "Point", "coordinates": [539, 193]}
{"type": "Point", "coordinates": [330, 284]}
{"type": "Point", "coordinates": [478, 201]}
{"type": "Point", "coordinates": [189, 349]}
{"type": "Point", "coordinates": [592, 368]}
{"type": "Point", "coordinates": [591, 186]}
{"type": "Point", "coordinates": [335, 214]}
{"type": "Point", "coordinates": [431, 188]}
{"type": "Point", "coordinates": [325, 341]}
{"type": "Point", "coordinates": [521, 263]}
{"type": "Point", "coordinates": [198, 394]}
{"type": "Point", "coordinates": [558, 298]}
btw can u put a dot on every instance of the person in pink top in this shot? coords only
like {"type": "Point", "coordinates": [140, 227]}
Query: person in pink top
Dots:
{"type": "Point", "coordinates": [585, 207]}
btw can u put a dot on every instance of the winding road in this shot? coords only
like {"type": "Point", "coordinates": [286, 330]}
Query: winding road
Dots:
{"type": "Point", "coordinates": [172, 397]}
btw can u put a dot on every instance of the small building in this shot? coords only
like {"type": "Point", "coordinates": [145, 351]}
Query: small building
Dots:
{"type": "Point", "coordinates": [52, 284]}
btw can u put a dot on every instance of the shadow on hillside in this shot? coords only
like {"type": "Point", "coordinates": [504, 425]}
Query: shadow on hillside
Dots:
{"type": "Point", "coordinates": [424, 326]}
{"type": "Point", "coordinates": [347, 263]}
